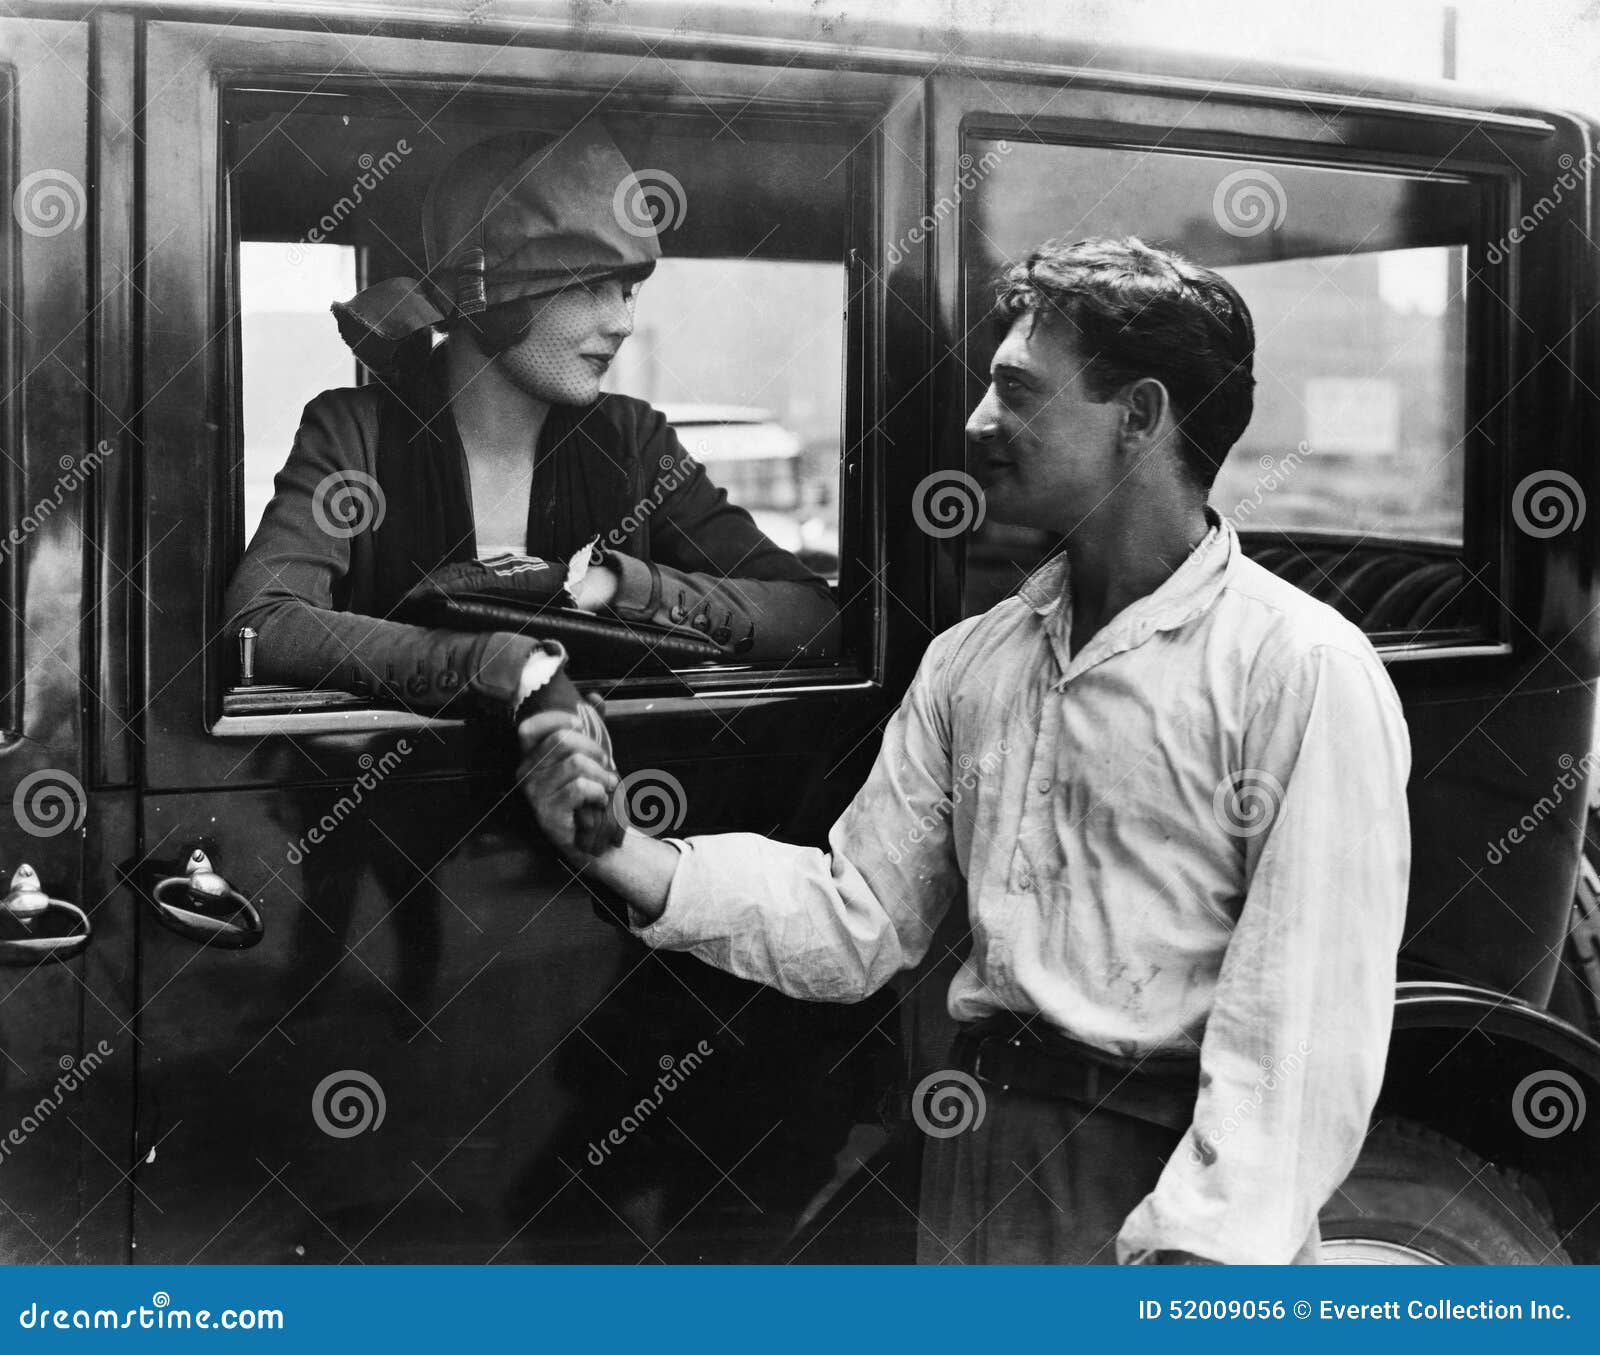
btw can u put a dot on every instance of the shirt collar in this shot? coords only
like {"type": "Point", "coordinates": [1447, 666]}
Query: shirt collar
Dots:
{"type": "Point", "coordinates": [1184, 594]}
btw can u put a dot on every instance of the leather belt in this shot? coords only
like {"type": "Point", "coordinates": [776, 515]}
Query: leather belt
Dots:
{"type": "Point", "coordinates": [1031, 1057]}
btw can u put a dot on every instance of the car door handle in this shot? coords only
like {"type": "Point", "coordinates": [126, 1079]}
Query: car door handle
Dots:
{"type": "Point", "coordinates": [22, 906]}
{"type": "Point", "coordinates": [203, 906]}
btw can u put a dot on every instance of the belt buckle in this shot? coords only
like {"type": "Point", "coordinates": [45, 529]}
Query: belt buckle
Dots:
{"type": "Point", "coordinates": [1091, 1082]}
{"type": "Point", "coordinates": [977, 1064]}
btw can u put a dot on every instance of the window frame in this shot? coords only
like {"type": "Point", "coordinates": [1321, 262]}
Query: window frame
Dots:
{"type": "Point", "coordinates": [12, 480]}
{"type": "Point", "coordinates": [1486, 340]}
{"type": "Point", "coordinates": [195, 64]}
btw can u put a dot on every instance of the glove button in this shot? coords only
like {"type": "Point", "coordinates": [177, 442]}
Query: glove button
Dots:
{"type": "Point", "coordinates": [722, 634]}
{"type": "Point", "coordinates": [677, 614]}
{"type": "Point", "coordinates": [701, 621]}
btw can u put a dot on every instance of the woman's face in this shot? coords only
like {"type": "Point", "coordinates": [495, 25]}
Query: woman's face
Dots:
{"type": "Point", "coordinates": [573, 338]}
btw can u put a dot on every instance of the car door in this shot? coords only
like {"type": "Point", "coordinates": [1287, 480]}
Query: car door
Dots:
{"type": "Point", "coordinates": [67, 1045]}
{"type": "Point", "coordinates": [1414, 407]}
{"type": "Point", "coordinates": [399, 1028]}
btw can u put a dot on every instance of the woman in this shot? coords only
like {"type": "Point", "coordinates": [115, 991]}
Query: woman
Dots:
{"type": "Point", "coordinates": [497, 445]}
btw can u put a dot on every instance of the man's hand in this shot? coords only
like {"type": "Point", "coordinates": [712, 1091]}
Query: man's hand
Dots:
{"type": "Point", "coordinates": [565, 774]}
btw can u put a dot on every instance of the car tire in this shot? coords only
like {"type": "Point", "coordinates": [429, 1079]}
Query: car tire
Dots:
{"type": "Point", "coordinates": [1416, 1197]}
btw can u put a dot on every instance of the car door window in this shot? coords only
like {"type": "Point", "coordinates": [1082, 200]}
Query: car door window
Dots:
{"type": "Point", "coordinates": [1353, 477]}
{"type": "Point", "coordinates": [739, 335]}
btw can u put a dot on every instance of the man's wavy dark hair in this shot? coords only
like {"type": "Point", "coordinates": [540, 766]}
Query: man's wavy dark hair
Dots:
{"type": "Point", "coordinates": [1137, 311]}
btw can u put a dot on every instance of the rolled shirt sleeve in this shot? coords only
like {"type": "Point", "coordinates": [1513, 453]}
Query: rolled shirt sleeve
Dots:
{"type": "Point", "coordinates": [1295, 1043]}
{"type": "Point", "coordinates": [835, 926]}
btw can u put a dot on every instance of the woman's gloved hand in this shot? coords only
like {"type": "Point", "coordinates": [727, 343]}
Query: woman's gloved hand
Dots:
{"type": "Point", "coordinates": [545, 688]}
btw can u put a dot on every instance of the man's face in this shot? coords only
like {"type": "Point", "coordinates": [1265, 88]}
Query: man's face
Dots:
{"type": "Point", "coordinates": [1045, 454]}
{"type": "Point", "coordinates": [574, 336]}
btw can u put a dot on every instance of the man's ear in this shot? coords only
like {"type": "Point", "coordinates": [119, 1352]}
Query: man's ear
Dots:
{"type": "Point", "coordinates": [1146, 411]}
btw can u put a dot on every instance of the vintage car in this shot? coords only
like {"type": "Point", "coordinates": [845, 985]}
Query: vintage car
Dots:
{"type": "Point", "coordinates": [291, 975]}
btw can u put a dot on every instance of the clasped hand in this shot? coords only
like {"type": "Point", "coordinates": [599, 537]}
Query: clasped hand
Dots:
{"type": "Point", "coordinates": [565, 773]}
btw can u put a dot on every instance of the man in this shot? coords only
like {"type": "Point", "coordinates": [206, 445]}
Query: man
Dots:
{"type": "Point", "coordinates": [1171, 786]}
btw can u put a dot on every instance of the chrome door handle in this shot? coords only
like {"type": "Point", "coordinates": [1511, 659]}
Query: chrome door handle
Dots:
{"type": "Point", "coordinates": [22, 906]}
{"type": "Point", "coordinates": [203, 906]}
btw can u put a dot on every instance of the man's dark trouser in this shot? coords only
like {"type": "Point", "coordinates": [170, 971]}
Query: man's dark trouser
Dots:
{"type": "Point", "coordinates": [1049, 1178]}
